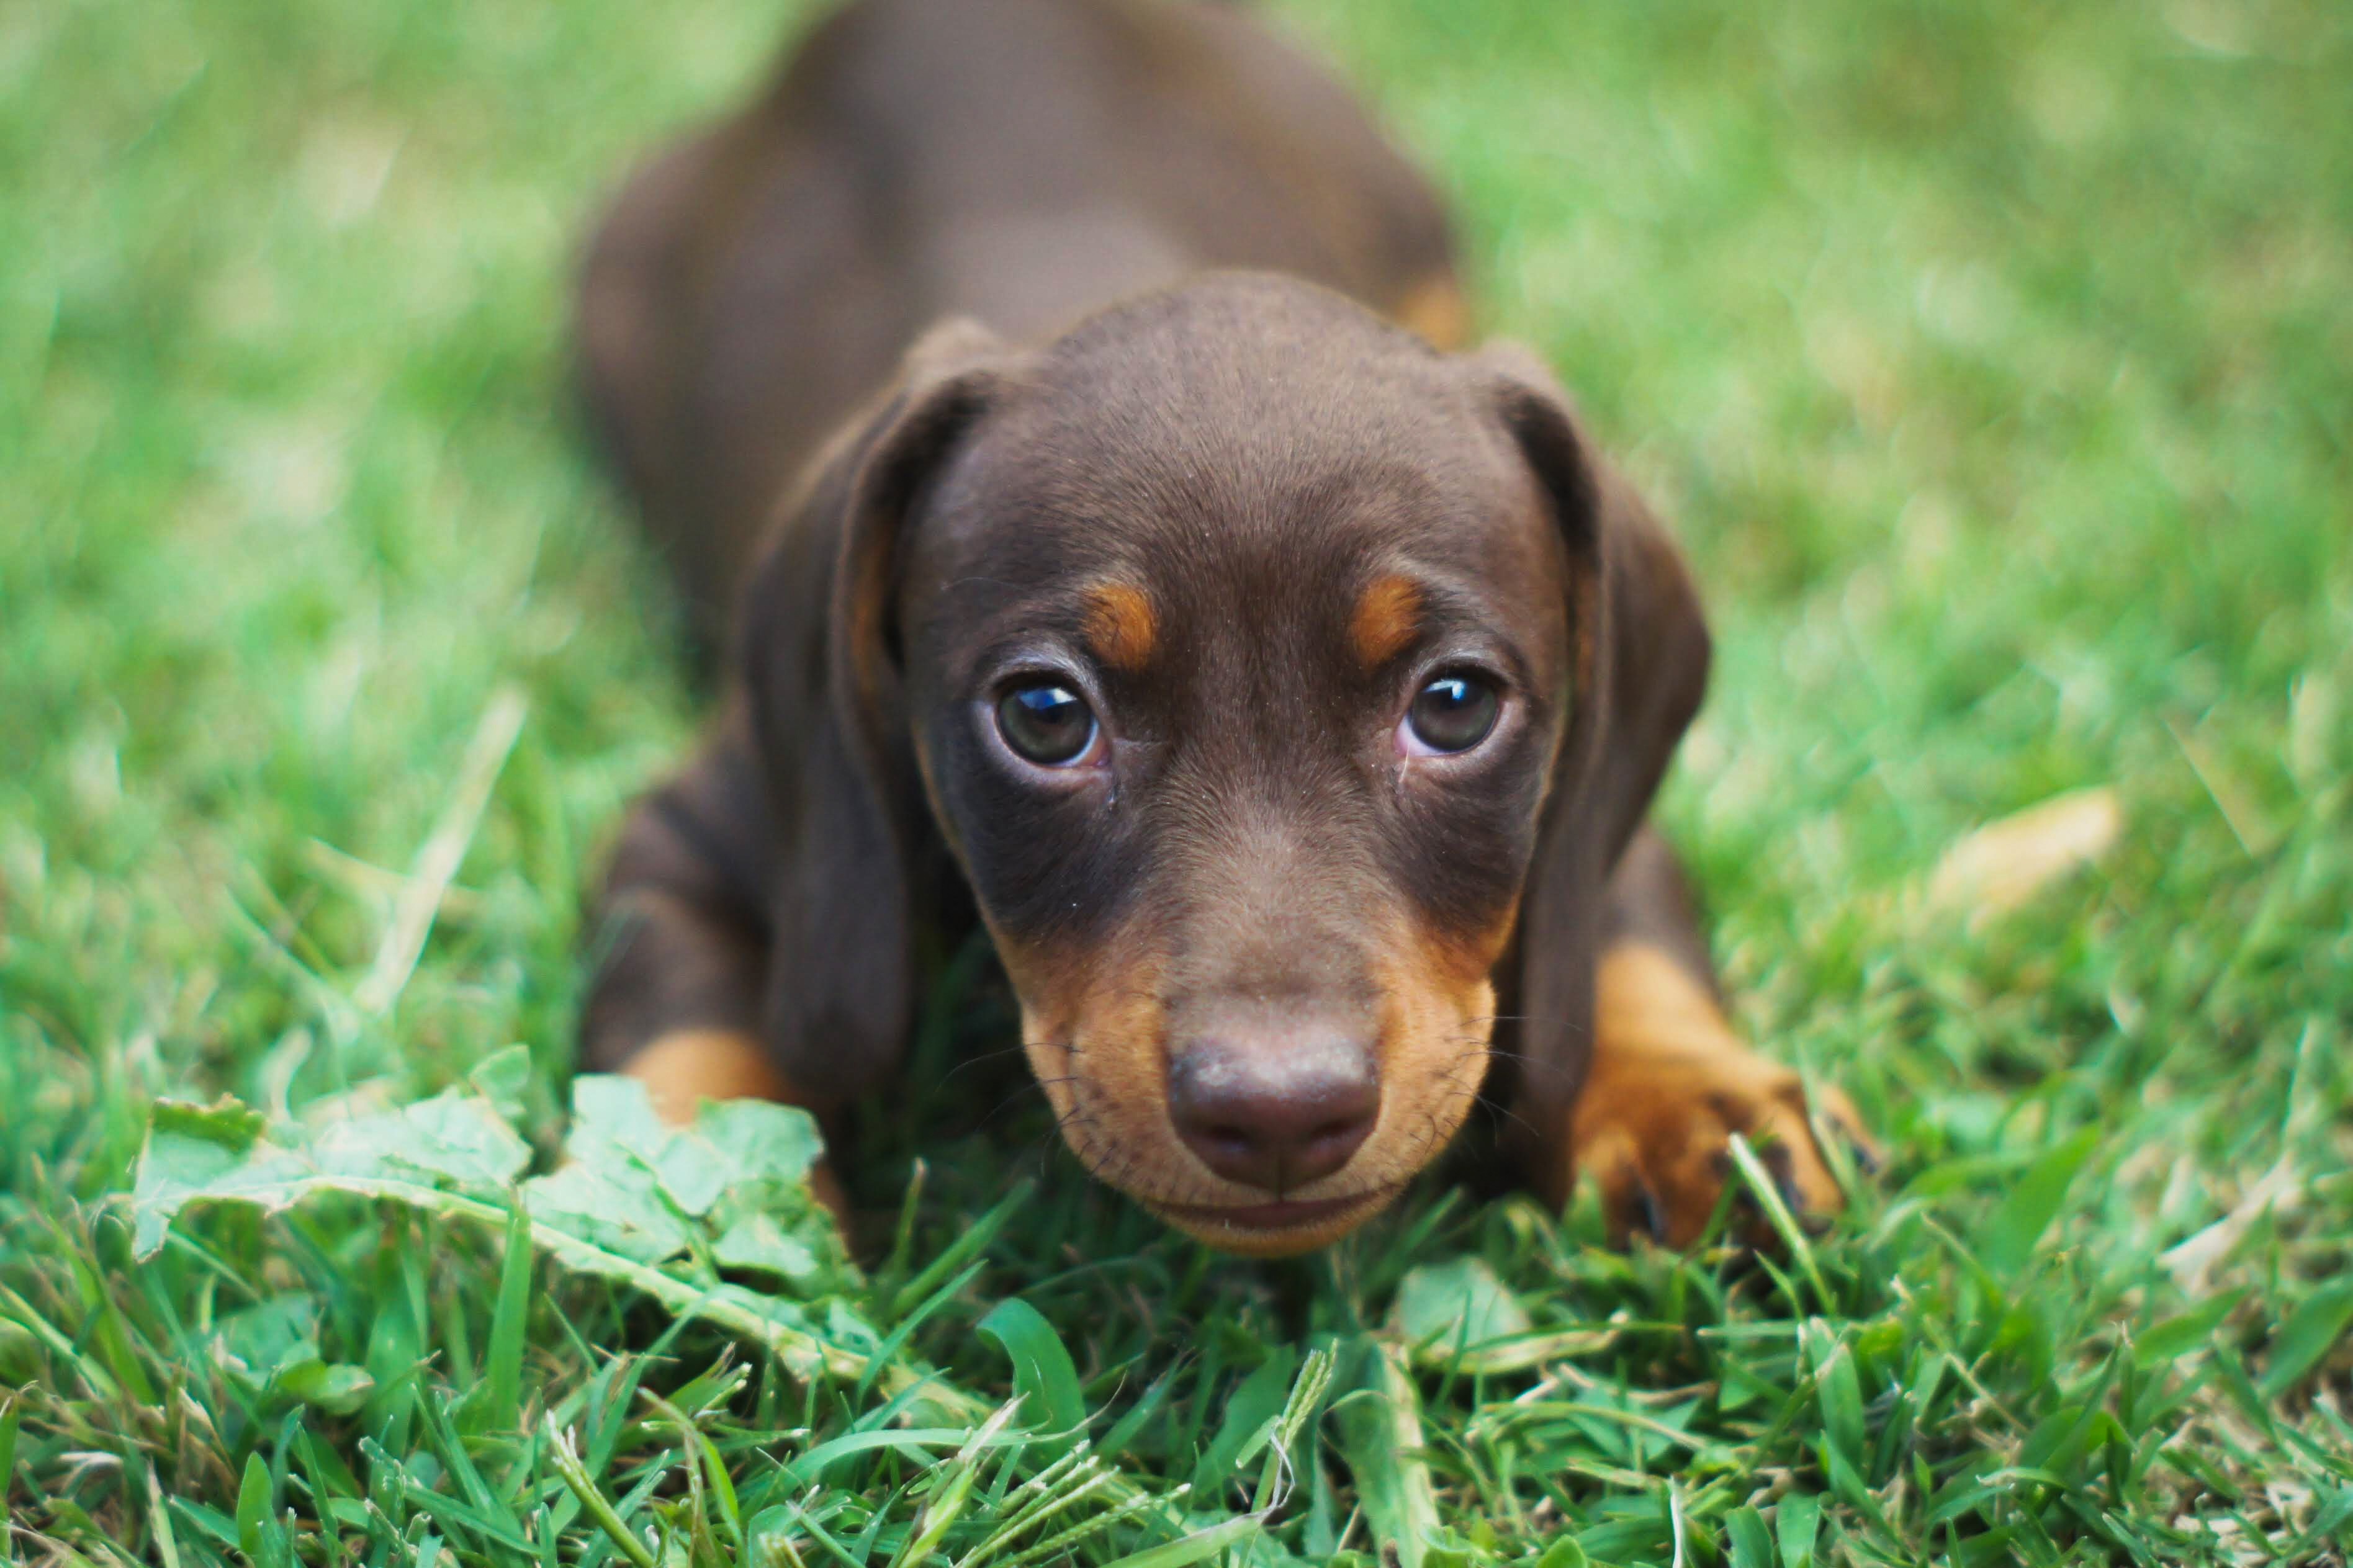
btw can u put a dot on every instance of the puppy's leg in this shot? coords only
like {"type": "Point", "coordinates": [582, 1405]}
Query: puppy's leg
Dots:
{"type": "Point", "coordinates": [1670, 1081]}
{"type": "Point", "coordinates": [676, 999]}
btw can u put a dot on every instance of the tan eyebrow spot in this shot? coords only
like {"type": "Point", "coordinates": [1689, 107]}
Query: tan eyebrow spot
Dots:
{"type": "Point", "coordinates": [1435, 311]}
{"type": "Point", "coordinates": [1387, 615]}
{"type": "Point", "coordinates": [1121, 626]}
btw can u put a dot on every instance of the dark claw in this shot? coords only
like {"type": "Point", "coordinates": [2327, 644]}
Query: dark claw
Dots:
{"type": "Point", "coordinates": [1777, 1160]}
{"type": "Point", "coordinates": [1785, 1175]}
{"type": "Point", "coordinates": [1654, 1218]}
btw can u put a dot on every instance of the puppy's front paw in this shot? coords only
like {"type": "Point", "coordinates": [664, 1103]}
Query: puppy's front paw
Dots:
{"type": "Point", "coordinates": [1668, 1087]}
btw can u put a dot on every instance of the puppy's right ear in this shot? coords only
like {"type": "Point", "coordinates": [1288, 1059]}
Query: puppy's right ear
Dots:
{"type": "Point", "coordinates": [1634, 616]}
{"type": "Point", "coordinates": [818, 658]}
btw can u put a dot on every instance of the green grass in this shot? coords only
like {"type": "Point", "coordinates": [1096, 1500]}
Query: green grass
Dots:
{"type": "Point", "coordinates": [1996, 362]}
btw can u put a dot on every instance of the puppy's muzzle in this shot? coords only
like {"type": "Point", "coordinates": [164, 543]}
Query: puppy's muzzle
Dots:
{"type": "Point", "coordinates": [1274, 1104]}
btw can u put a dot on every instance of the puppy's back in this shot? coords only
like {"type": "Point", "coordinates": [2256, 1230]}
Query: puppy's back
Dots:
{"type": "Point", "coordinates": [1021, 161]}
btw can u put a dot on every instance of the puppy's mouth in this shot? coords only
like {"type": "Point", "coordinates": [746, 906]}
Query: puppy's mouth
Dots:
{"type": "Point", "coordinates": [1276, 1227]}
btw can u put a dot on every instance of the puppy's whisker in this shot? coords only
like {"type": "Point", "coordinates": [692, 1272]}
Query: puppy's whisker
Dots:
{"type": "Point", "coordinates": [976, 1060]}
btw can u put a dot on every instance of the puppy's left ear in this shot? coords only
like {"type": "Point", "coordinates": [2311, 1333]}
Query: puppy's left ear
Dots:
{"type": "Point", "coordinates": [819, 662]}
{"type": "Point", "coordinates": [1641, 649]}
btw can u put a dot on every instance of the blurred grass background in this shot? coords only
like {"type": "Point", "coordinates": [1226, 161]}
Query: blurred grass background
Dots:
{"type": "Point", "coordinates": [1996, 361]}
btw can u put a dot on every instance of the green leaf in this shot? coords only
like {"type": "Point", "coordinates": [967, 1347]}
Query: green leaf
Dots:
{"type": "Point", "coordinates": [611, 1203]}
{"type": "Point", "coordinates": [503, 1078]}
{"type": "Point", "coordinates": [455, 1142]}
{"type": "Point", "coordinates": [196, 1151]}
{"type": "Point", "coordinates": [636, 1186]}
{"type": "Point", "coordinates": [1443, 1308]}
{"type": "Point", "coordinates": [2010, 1237]}
{"type": "Point", "coordinates": [2308, 1334]}
{"type": "Point", "coordinates": [1042, 1371]}
{"type": "Point", "coordinates": [429, 1156]}
{"type": "Point", "coordinates": [761, 1141]}
{"type": "Point", "coordinates": [225, 1123]}
{"type": "Point", "coordinates": [756, 1243]}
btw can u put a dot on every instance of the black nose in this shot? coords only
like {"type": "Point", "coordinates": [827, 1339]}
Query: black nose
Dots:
{"type": "Point", "coordinates": [1274, 1113]}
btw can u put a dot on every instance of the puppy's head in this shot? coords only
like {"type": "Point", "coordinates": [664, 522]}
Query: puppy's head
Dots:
{"type": "Point", "coordinates": [1253, 662]}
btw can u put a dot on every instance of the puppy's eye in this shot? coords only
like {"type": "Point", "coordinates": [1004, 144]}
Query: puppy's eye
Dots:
{"type": "Point", "coordinates": [1453, 714]}
{"type": "Point", "coordinates": [1046, 723]}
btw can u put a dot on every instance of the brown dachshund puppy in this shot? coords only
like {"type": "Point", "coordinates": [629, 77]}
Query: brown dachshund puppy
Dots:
{"type": "Point", "coordinates": [1284, 693]}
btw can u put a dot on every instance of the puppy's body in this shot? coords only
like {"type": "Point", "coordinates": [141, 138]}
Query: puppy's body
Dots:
{"type": "Point", "coordinates": [1015, 162]}
{"type": "Point", "coordinates": [1244, 545]}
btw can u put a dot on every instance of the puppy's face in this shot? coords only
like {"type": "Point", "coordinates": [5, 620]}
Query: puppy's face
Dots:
{"type": "Point", "coordinates": [1236, 641]}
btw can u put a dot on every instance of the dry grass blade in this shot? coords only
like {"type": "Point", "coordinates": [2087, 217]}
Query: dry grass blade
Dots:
{"type": "Point", "coordinates": [443, 851]}
{"type": "Point", "coordinates": [1997, 868]}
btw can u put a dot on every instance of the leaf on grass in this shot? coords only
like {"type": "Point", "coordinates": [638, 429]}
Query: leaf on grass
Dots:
{"type": "Point", "coordinates": [637, 1186]}
{"type": "Point", "coordinates": [2003, 864]}
{"type": "Point", "coordinates": [638, 1204]}
{"type": "Point", "coordinates": [618, 1209]}
{"type": "Point", "coordinates": [1445, 1309]}
{"type": "Point", "coordinates": [503, 1077]}
{"type": "Point", "coordinates": [756, 1243]}
{"type": "Point", "coordinates": [216, 1154]}
{"type": "Point", "coordinates": [225, 1123]}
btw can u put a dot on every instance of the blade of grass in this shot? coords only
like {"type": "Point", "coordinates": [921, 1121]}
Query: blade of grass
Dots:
{"type": "Point", "coordinates": [566, 1461]}
{"type": "Point", "coordinates": [966, 1246]}
{"type": "Point", "coordinates": [1767, 1194]}
{"type": "Point", "coordinates": [1381, 1437]}
{"type": "Point", "coordinates": [1195, 1548]}
{"type": "Point", "coordinates": [501, 1407]}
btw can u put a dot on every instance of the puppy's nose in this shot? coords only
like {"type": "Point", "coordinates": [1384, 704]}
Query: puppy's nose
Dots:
{"type": "Point", "coordinates": [1274, 1114]}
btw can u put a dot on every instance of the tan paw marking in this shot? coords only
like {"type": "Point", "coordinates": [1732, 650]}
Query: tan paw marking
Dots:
{"type": "Point", "coordinates": [1669, 1085]}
